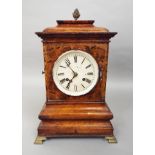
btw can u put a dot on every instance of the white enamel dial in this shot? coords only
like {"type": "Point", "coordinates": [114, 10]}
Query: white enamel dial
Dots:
{"type": "Point", "coordinates": [75, 72]}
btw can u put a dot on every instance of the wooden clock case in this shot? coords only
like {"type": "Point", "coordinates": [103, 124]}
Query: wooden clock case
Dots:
{"type": "Point", "coordinates": [73, 116]}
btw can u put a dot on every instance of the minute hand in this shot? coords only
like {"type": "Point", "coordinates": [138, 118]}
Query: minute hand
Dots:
{"type": "Point", "coordinates": [71, 69]}
{"type": "Point", "coordinates": [68, 65]}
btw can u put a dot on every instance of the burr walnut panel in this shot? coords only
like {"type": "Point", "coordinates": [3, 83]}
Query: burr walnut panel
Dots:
{"type": "Point", "coordinates": [51, 53]}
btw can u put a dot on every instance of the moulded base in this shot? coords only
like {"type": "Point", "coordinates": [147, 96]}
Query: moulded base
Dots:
{"type": "Point", "coordinates": [75, 120]}
{"type": "Point", "coordinates": [75, 128]}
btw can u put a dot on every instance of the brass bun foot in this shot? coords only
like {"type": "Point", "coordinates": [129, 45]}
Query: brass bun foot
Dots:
{"type": "Point", "coordinates": [111, 139]}
{"type": "Point", "coordinates": [40, 140]}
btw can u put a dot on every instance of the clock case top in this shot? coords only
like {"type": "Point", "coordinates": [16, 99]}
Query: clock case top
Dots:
{"type": "Point", "coordinates": [75, 35]}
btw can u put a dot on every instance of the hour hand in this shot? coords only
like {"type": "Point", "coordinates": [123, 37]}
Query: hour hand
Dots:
{"type": "Point", "coordinates": [68, 85]}
{"type": "Point", "coordinates": [71, 80]}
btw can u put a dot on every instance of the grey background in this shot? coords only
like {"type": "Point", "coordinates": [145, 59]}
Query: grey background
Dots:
{"type": "Point", "coordinates": [114, 15]}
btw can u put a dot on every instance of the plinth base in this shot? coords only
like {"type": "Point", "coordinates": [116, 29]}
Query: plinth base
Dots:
{"type": "Point", "coordinates": [49, 129]}
{"type": "Point", "coordinates": [75, 120]}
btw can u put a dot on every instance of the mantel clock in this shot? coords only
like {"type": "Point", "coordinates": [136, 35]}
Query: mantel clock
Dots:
{"type": "Point", "coordinates": [75, 66]}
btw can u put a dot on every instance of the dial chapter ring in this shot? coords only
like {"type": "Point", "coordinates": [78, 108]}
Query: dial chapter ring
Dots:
{"type": "Point", "coordinates": [96, 73]}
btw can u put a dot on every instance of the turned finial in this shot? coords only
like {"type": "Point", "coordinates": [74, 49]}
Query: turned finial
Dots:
{"type": "Point", "coordinates": [76, 14]}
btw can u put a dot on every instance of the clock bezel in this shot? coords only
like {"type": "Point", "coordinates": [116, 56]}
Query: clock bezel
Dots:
{"type": "Point", "coordinates": [96, 73]}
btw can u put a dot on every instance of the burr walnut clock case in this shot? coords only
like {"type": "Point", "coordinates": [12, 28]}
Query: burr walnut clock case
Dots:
{"type": "Point", "coordinates": [75, 66]}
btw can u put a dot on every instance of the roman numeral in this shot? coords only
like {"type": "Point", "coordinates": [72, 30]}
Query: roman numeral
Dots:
{"type": "Point", "coordinates": [62, 81]}
{"type": "Point", "coordinates": [75, 87]}
{"type": "Point", "coordinates": [87, 80]}
{"type": "Point", "coordinates": [88, 66]}
{"type": "Point", "coordinates": [67, 62]}
{"type": "Point", "coordinates": [83, 60]}
{"type": "Point", "coordinates": [75, 58]}
{"type": "Point", "coordinates": [90, 73]}
{"type": "Point", "coordinates": [82, 85]}
{"type": "Point", "coordinates": [62, 66]}
{"type": "Point", "coordinates": [59, 74]}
